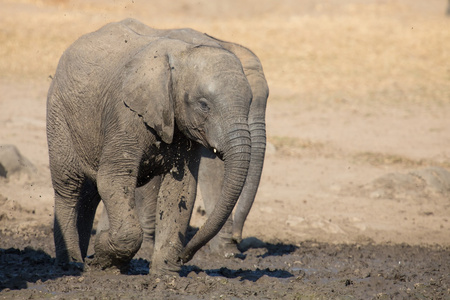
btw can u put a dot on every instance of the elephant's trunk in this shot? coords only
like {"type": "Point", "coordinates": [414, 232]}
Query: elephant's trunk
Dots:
{"type": "Point", "coordinates": [236, 156]}
{"type": "Point", "coordinates": [258, 136]}
{"type": "Point", "coordinates": [257, 126]}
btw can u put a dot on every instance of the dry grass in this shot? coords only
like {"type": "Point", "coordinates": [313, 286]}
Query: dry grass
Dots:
{"type": "Point", "coordinates": [297, 147]}
{"type": "Point", "coordinates": [292, 146]}
{"type": "Point", "coordinates": [381, 159]}
{"type": "Point", "coordinates": [384, 51]}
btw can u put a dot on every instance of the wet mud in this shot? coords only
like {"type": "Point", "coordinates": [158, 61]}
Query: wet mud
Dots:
{"type": "Point", "coordinates": [264, 270]}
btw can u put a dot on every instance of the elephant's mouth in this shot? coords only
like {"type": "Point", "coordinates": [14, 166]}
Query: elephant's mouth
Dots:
{"type": "Point", "coordinates": [217, 153]}
{"type": "Point", "coordinates": [199, 136]}
{"type": "Point", "coordinates": [213, 153]}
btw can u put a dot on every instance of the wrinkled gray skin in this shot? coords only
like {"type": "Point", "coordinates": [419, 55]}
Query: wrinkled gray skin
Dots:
{"type": "Point", "coordinates": [211, 167]}
{"type": "Point", "coordinates": [127, 107]}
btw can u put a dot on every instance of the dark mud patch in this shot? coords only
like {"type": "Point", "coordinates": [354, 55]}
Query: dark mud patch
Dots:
{"type": "Point", "coordinates": [264, 271]}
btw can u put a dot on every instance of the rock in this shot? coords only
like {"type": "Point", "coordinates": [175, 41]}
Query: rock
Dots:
{"type": "Point", "coordinates": [436, 178]}
{"type": "Point", "coordinates": [12, 162]}
{"type": "Point", "coordinates": [424, 183]}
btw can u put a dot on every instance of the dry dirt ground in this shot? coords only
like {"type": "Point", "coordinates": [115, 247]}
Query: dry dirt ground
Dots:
{"type": "Point", "coordinates": [354, 201]}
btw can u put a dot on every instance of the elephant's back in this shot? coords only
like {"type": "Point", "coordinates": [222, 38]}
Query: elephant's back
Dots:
{"type": "Point", "coordinates": [81, 88]}
{"type": "Point", "coordinates": [95, 57]}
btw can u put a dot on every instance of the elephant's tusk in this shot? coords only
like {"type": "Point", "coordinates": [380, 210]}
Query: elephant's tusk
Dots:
{"type": "Point", "coordinates": [215, 150]}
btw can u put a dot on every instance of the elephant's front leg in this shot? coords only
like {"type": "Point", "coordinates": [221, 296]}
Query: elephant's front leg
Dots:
{"type": "Point", "coordinates": [117, 245]}
{"type": "Point", "coordinates": [174, 208]}
{"type": "Point", "coordinates": [145, 199]}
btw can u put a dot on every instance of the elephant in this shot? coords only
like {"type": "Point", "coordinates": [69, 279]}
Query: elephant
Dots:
{"type": "Point", "coordinates": [131, 106]}
{"type": "Point", "coordinates": [211, 167]}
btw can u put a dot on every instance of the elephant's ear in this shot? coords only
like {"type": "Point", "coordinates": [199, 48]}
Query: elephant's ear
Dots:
{"type": "Point", "coordinates": [146, 89]}
{"type": "Point", "coordinates": [252, 69]}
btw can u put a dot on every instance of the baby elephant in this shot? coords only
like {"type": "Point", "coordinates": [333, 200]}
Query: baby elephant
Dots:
{"type": "Point", "coordinates": [131, 106]}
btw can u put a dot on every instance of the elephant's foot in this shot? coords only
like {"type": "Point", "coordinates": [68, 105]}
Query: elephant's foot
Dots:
{"type": "Point", "coordinates": [165, 261]}
{"type": "Point", "coordinates": [92, 265]}
{"type": "Point", "coordinates": [70, 265]}
{"type": "Point", "coordinates": [165, 268]}
{"type": "Point", "coordinates": [224, 246]}
{"type": "Point", "coordinates": [115, 253]}
{"type": "Point", "coordinates": [146, 250]}
{"type": "Point", "coordinates": [69, 258]}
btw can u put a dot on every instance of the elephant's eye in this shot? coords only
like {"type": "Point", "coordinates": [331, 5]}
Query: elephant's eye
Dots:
{"type": "Point", "coordinates": [204, 105]}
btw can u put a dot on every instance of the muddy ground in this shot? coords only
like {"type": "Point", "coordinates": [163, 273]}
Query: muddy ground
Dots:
{"type": "Point", "coordinates": [354, 201]}
{"type": "Point", "coordinates": [307, 270]}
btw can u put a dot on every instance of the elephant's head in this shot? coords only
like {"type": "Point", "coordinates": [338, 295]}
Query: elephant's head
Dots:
{"type": "Point", "coordinates": [204, 92]}
{"type": "Point", "coordinates": [257, 126]}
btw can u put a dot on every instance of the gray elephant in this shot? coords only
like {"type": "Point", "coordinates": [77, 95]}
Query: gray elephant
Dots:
{"type": "Point", "coordinates": [211, 167]}
{"type": "Point", "coordinates": [129, 107]}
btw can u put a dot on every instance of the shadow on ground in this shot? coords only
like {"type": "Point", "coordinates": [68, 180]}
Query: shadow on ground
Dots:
{"type": "Point", "coordinates": [21, 267]}
{"type": "Point", "coordinates": [249, 274]}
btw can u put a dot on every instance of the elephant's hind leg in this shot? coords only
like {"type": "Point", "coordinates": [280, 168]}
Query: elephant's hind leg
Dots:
{"type": "Point", "coordinates": [67, 193]}
{"type": "Point", "coordinates": [67, 180]}
{"type": "Point", "coordinates": [87, 207]}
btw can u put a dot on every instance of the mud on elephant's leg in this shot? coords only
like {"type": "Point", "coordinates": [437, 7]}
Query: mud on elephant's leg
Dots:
{"type": "Point", "coordinates": [174, 208]}
{"type": "Point", "coordinates": [117, 246]}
